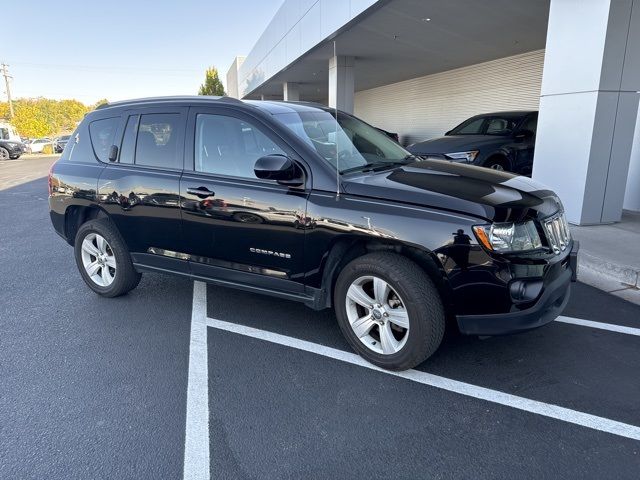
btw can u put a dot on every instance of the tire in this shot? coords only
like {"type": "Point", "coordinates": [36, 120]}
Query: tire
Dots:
{"type": "Point", "coordinates": [113, 271]}
{"type": "Point", "coordinates": [412, 299]}
{"type": "Point", "coordinates": [4, 154]}
{"type": "Point", "coordinates": [497, 163]}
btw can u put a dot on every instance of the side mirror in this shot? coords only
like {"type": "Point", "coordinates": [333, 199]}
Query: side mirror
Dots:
{"type": "Point", "coordinates": [113, 153]}
{"type": "Point", "coordinates": [280, 168]}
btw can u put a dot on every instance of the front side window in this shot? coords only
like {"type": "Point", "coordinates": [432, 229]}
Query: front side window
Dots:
{"type": "Point", "coordinates": [102, 133]}
{"type": "Point", "coordinates": [229, 146]}
{"type": "Point", "coordinates": [348, 144]}
{"type": "Point", "coordinates": [157, 142]}
{"type": "Point", "coordinates": [4, 133]}
{"type": "Point", "coordinates": [470, 127]}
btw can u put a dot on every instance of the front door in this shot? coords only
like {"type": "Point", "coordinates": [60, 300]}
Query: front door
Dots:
{"type": "Point", "coordinates": [238, 227]}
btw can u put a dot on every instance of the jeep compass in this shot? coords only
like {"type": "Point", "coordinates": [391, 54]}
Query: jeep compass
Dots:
{"type": "Point", "coordinates": [304, 203]}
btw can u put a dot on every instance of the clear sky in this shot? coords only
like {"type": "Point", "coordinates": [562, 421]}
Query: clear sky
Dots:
{"type": "Point", "coordinates": [118, 49]}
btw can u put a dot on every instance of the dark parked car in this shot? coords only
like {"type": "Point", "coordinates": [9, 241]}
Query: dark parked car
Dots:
{"type": "Point", "coordinates": [10, 149]}
{"type": "Point", "coordinates": [60, 142]}
{"type": "Point", "coordinates": [273, 198]}
{"type": "Point", "coordinates": [502, 141]}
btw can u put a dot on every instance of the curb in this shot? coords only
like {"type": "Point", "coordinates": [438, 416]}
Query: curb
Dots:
{"type": "Point", "coordinates": [624, 274]}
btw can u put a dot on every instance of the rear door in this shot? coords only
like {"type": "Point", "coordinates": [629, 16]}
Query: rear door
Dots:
{"type": "Point", "coordinates": [141, 190]}
{"type": "Point", "coordinates": [238, 227]}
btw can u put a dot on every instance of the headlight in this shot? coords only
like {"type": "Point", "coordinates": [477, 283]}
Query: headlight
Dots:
{"type": "Point", "coordinates": [508, 237]}
{"type": "Point", "coordinates": [468, 157]}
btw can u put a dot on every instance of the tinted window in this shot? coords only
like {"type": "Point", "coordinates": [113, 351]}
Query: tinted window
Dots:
{"type": "Point", "coordinates": [4, 133]}
{"type": "Point", "coordinates": [348, 144]}
{"type": "Point", "coordinates": [127, 150]}
{"type": "Point", "coordinates": [157, 143]}
{"type": "Point", "coordinates": [470, 127]}
{"type": "Point", "coordinates": [488, 125]}
{"type": "Point", "coordinates": [102, 134]}
{"type": "Point", "coordinates": [229, 146]}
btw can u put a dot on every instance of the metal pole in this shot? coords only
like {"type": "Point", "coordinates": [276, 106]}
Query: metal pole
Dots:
{"type": "Point", "coordinates": [6, 82]}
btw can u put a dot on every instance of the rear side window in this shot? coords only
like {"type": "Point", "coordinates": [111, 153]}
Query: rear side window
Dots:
{"type": "Point", "coordinates": [157, 142]}
{"type": "Point", "coordinates": [102, 133]}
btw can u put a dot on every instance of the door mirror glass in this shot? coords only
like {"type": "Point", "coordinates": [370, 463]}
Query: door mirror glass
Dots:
{"type": "Point", "coordinates": [278, 167]}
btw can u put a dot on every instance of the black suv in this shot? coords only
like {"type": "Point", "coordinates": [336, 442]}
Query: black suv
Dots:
{"type": "Point", "coordinates": [502, 141]}
{"type": "Point", "coordinates": [284, 199]}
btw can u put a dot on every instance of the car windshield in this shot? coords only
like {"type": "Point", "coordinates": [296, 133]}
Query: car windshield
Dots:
{"type": "Point", "coordinates": [487, 125]}
{"type": "Point", "coordinates": [348, 144]}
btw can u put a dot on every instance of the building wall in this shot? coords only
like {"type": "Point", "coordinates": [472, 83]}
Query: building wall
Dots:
{"type": "Point", "coordinates": [232, 78]}
{"type": "Point", "coordinates": [297, 27]}
{"type": "Point", "coordinates": [426, 107]}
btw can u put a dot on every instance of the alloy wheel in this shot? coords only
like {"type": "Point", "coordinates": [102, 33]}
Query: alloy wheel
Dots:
{"type": "Point", "coordinates": [497, 166]}
{"type": "Point", "coordinates": [377, 315]}
{"type": "Point", "coordinates": [4, 154]}
{"type": "Point", "coordinates": [98, 259]}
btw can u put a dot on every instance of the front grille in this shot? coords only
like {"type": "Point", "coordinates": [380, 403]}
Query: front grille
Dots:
{"type": "Point", "coordinates": [556, 229]}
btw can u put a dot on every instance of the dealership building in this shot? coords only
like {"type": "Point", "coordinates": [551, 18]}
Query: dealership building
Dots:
{"type": "Point", "coordinates": [420, 67]}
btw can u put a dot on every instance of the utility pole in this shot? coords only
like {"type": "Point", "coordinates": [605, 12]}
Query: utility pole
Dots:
{"type": "Point", "coordinates": [6, 76]}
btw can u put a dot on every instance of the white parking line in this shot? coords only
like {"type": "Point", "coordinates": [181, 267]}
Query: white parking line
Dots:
{"type": "Point", "coordinates": [602, 326]}
{"type": "Point", "coordinates": [532, 406]}
{"type": "Point", "coordinates": [196, 440]}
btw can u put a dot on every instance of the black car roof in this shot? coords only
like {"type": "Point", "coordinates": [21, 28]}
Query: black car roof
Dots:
{"type": "Point", "coordinates": [509, 113]}
{"type": "Point", "coordinates": [270, 106]}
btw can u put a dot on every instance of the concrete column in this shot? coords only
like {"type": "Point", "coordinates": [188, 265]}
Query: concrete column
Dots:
{"type": "Point", "coordinates": [589, 105]}
{"type": "Point", "coordinates": [632, 194]}
{"type": "Point", "coordinates": [291, 92]}
{"type": "Point", "coordinates": [341, 83]}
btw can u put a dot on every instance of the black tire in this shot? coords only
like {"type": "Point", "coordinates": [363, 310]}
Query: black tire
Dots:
{"type": "Point", "coordinates": [422, 302]}
{"type": "Point", "coordinates": [126, 278]}
{"type": "Point", "coordinates": [497, 163]}
{"type": "Point", "coordinates": [4, 154]}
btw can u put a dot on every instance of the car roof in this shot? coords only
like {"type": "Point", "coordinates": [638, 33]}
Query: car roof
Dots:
{"type": "Point", "coordinates": [509, 113]}
{"type": "Point", "coordinates": [270, 106]}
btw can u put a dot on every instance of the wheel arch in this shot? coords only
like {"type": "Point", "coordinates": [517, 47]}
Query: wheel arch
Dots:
{"type": "Point", "coordinates": [77, 215]}
{"type": "Point", "coordinates": [347, 249]}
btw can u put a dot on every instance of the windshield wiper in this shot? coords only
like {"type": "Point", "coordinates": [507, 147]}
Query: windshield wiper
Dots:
{"type": "Point", "coordinates": [379, 166]}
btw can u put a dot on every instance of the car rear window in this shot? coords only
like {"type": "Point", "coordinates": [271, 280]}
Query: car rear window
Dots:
{"type": "Point", "coordinates": [102, 133]}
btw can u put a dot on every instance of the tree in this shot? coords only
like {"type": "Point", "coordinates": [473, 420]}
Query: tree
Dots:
{"type": "Point", "coordinates": [104, 101]}
{"type": "Point", "coordinates": [40, 117]}
{"type": "Point", "coordinates": [212, 84]}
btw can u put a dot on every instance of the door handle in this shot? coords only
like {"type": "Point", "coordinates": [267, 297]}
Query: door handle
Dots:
{"type": "Point", "coordinates": [200, 192]}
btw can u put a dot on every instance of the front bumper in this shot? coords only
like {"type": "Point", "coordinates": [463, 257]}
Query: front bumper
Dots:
{"type": "Point", "coordinates": [550, 304]}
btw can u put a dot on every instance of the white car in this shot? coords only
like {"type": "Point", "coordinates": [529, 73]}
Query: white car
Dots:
{"type": "Point", "coordinates": [37, 145]}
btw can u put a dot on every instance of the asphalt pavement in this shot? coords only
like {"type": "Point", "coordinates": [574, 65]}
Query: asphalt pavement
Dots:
{"type": "Point", "coordinates": [262, 388]}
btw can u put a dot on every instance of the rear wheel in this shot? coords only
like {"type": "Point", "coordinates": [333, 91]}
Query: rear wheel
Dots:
{"type": "Point", "coordinates": [389, 310]}
{"type": "Point", "coordinates": [103, 259]}
{"type": "Point", "coordinates": [4, 154]}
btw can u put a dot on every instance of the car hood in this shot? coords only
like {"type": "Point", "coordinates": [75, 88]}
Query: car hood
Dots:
{"type": "Point", "coordinates": [481, 192]}
{"type": "Point", "coordinates": [455, 143]}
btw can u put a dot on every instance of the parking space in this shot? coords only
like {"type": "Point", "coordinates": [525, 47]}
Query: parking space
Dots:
{"type": "Point", "coordinates": [164, 382]}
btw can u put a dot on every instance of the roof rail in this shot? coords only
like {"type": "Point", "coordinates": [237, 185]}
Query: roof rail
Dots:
{"type": "Point", "coordinates": [135, 101]}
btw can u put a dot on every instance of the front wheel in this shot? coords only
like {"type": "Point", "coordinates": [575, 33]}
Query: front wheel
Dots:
{"type": "Point", "coordinates": [103, 259]}
{"type": "Point", "coordinates": [389, 310]}
{"type": "Point", "coordinates": [4, 154]}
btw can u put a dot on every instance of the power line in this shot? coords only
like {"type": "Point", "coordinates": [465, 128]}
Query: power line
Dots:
{"type": "Point", "coordinates": [6, 76]}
